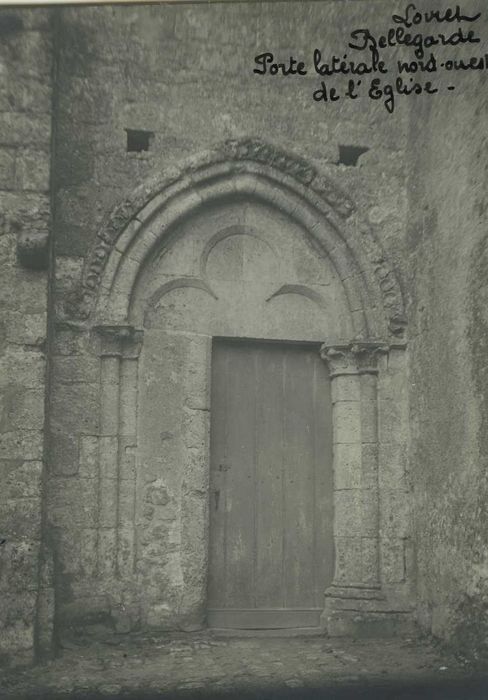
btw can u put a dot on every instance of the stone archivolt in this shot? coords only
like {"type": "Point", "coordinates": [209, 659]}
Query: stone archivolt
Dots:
{"type": "Point", "coordinates": [252, 168]}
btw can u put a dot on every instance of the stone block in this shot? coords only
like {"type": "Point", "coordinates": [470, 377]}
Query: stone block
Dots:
{"type": "Point", "coordinates": [69, 342]}
{"type": "Point", "coordinates": [34, 97]}
{"type": "Point", "coordinates": [88, 551]}
{"type": "Point", "coordinates": [64, 453]}
{"type": "Point", "coordinates": [25, 209]}
{"type": "Point", "coordinates": [108, 502]}
{"type": "Point", "coordinates": [21, 409]}
{"type": "Point", "coordinates": [107, 552]}
{"type": "Point", "coordinates": [127, 460]}
{"type": "Point", "coordinates": [369, 625]}
{"type": "Point", "coordinates": [369, 512]}
{"type": "Point", "coordinates": [27, 366]}
{"type": "Point", "coordinates": [86, 610]}
{"type": "Point", "coordinates": [8, 253]}
{"type": "Point", "coordinates": [109, 408]}
{"type": "Point", "coordinates": [23, 289]}
{"type": "Point", "coordinates": [128, 398]}
{"type": "Point", "coordinates": [20, 479]}
{"type": "Point", "coordinates": [17, 612]}
{"type": "Point", "coordinates": [393, 560]}
{"type": "Point", "coordinates": [161, 616]}
{"type": "Point", "coordinates": [68, 273]}
{"type": "Point", "coordinates": [392, 420]}
{"type": "Point", "coordinates": [89, 456]}
{"type": "Point", "coordinates": [26, 328]}
{"type": "Point", "coordinates": [196, 426]}
{"type": "Point", "coordinates": [369, 465]}
{"type": "Point", "coordinates": [393, 461]}
{"type": "Point", "coordinates": [196, 387]}
{"type": "Point", "coordinates": [7, 168]}
{"type": "Point", "coordinates": [126, 551]}
{"type": "Point", "coordinates": [346, 422]}
{"type": "Point", "coordinates": [34, 54]}
{"type": "Point", "coordinates": [20, 562]}
{"type": "Point", "coordinates": [345, 388]}
{"type": "Point", "coordinates": [22, 444]}
{"type": "Point", "coordinates": [395, 514]}
{"type": "Point", "coordinates": [44, 619]}
{"type": "Point", "coordinates": [369, 421]}
{"type": "Point", "coordinates": [348, 509]}
{"type": "Point", "coordinates": [77, 369]}
{"type": "Point", "coordinates": [108, 456]}
{"type": "Point", "coordinates": [75, 408]}
{"type": "Point", "coordinates": [22, 129]}
{"type": "Point", "coordinates": [126, 504]}
{"type": "Point", "coordinates": [21, 518]}
{"type": "Point", "coordinates": [369, 560]}
{"type": "Point", "coordinates": [68, 549]}
{"type": "Point", "coordinates": [347, 466]}
{"type": "Point", "coordinates": [195, 460]}
{"type": "Point", "coordinates": [392, 386]}
{"type": "Point", "coordinates": [32, 170]}
{"type": "Point", "coordinates": [73, 502]}
{"type": "Point", "coordinates": [348, 560]}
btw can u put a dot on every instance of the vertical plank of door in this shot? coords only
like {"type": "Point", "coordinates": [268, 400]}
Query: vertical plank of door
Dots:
{"type": "Point", "coordinates": [240, 476]}
{"type": "Point", "coordinates": [298, 560]}
{"type": "Point", "coordinates": [269, 477]}
{"type": "Point", "coordinates": [324, 483]}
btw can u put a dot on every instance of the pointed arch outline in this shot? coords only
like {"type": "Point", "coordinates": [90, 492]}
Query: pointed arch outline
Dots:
{"type": "Point", "coordinates": [144, 223]}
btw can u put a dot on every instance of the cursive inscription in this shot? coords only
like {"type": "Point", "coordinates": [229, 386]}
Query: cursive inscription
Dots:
{"type": "Point", "coordinates": [422, 36]}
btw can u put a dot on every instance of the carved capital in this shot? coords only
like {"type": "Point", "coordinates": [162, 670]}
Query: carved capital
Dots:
{"type": "Point", "coordinates": [33, 249]}
{"type": "Point", "coordinates": [340, 359]}
{"type": "Point", "coordinates": [119, 341]}
{"type": "Point", "coordinates": [366, 354]}
{"type": "Point", "coordinates": [353, 358]}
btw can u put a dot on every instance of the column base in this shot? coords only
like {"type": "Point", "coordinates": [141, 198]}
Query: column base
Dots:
{"type": "Point", "coordinates": [363, 612]}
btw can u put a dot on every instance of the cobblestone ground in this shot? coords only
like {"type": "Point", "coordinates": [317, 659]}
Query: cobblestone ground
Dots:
{"type": "Point", "coordinates": [207, 666]}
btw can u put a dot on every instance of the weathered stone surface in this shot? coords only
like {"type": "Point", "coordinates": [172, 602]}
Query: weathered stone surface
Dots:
{"type": "Point", "coordinates": [20, 479]}
{"type": "Point", "coordinates": [76, 370]}
{"type": "Point", "coordinates": [20, 561]}
{"type": "Point", "coordinates": [22, 444]}
{"type": "Point", "coordinates": [17, 615]}
{"type": "Point", "coordinates": [21, 518]}
{"type": "Point", "coordinates": [291, 245]}
{"type": "Point", "coordinates": [21, 408]}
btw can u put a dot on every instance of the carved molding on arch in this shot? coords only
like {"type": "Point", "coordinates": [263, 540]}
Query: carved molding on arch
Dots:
{"type": "Point", "coordinates": [300, 290]}
{"type": "Point", "coordinates": [252, 156]}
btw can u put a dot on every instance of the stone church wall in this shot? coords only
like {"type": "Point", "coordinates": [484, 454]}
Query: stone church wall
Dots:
{"type": "Point", "coordinates": [189, 99]}
{"type": "Point", "coordinates": [447, 243]}
{"type": "Point", "coordinates": [25, 127]}
{"type": "Point", "coordinates": [183, 75]}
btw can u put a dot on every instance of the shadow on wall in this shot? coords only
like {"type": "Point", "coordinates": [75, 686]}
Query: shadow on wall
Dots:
{"type": "Point", "coordinates": [448, 689]}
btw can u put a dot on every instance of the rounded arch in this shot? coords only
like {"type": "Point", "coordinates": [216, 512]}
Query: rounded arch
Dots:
{"type": "Point", "coordinates": [146, 221]}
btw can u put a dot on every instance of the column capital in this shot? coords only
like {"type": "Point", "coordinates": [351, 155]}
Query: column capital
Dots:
{"type": "Point", "coordinates": [118, 341]}
{"type": "Point", "coordinates": [366, 354]}
{"type": "Point", "coordinates": [356, 357]}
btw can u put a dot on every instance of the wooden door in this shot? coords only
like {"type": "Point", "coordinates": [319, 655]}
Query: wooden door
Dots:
{"type": "Point", "coordinates": [271, 507]}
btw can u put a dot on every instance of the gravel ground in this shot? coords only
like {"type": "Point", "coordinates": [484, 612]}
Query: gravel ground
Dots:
{"type": "Point", "coordinates": [206, 666]}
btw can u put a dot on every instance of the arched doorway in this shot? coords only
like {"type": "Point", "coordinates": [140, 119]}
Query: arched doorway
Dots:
{"type": "Point", "coordinates": [252, 247]}
{"type": "Point", "coordinates": [246, 459]}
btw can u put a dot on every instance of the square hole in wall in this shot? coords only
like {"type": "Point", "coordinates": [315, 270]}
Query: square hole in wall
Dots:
{"type": "Point", "coordinates": [349, 155]}
{"type": "Point", "coordinates": [138, 140]}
